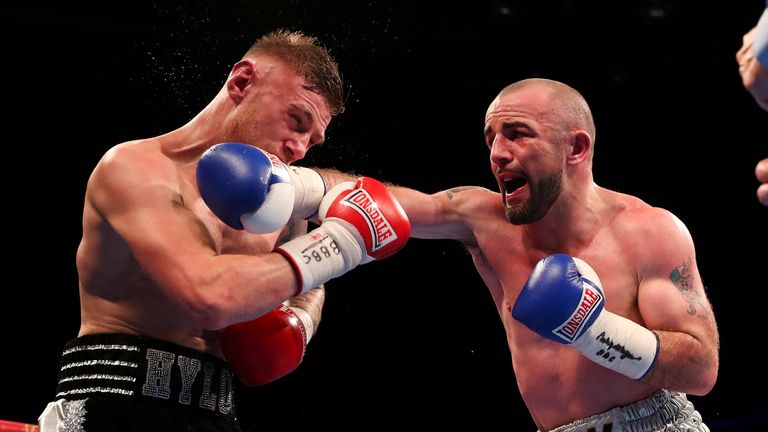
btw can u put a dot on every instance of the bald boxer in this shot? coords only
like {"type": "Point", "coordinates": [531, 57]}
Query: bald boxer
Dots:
{"type": "Point", "coordinates": [164, 277]}
{"type": "Point", "coordinates": [753, 68]}
{"type": "Point", "coordinates": [605, 312]}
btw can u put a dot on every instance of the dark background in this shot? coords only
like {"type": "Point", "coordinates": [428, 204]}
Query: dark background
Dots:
{"type": "Point", "coordinates": [413, 341]}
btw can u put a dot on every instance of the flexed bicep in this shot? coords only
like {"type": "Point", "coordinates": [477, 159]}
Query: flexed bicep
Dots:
{"type": "Point", "coordinates": [673, 303]}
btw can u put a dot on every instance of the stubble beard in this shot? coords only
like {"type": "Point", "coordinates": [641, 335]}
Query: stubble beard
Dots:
{"type": "Point", "coordinates": [543, 194]}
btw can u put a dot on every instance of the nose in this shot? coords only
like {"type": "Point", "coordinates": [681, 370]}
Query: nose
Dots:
{"type": "Point", "coordinates": [500, 154]}
{"type": "Point", "coordinates": [296, 149]}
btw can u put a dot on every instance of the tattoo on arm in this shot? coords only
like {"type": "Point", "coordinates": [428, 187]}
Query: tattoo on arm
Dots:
{"type": "Point", "coordinates": [308, 299]}
{"type": "Point", "coordinates": [451, 192]}
{"type": "Point", "coordinates": [312, 302]}
{"type": "Point", "coordinates": [686, 283]}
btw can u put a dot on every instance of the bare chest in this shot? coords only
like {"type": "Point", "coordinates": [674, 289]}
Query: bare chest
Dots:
{"type": "Point", "coordinates": [225, 239]}
{"type": "Point", "coordinates": [509, 262]}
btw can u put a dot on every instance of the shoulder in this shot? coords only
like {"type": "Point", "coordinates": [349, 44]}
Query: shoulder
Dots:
{"type": "Point", "coordinates": [654, 237]}
{"type": "Point", "coordinates": [132, 152]}
{"type": "Point", "coordinates": [127, 169]}
{"type": "Point", "coordinates": [132, 159]}
{"type": "Point", "coordinates": [638, 218]}
{"type": "Point", "coordinates": [479, 211]}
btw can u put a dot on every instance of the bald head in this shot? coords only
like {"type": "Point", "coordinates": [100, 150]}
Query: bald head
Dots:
{"type": "Point", "coordinates": [564, 102]}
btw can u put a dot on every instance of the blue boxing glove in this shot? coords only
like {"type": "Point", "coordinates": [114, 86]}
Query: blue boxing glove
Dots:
{"type": "Point", "coordinates": [563, 301]}
{"type": "Point", "coordinates": [248, 188]}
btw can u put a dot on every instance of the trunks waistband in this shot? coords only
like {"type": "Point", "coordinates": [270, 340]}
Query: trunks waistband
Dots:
{"type": "Point", "coordinates": [120, 365]}
{"type": "Point", "coordinates": [663, 410]}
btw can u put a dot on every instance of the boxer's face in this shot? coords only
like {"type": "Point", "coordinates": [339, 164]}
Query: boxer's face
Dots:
{"type": "Point", "coordinates": [526, 156]}
{"type": "Point", "coordinates": [281, 114]}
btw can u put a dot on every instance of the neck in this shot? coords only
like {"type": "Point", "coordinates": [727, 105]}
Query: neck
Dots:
{"type": "Point", "coordinates": [188, 142]}
{"type": "Point", "coordinates": [571, 223]}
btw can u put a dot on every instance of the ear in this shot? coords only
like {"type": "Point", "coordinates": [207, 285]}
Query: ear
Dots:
{"type": "Point", "coordinates": [581, 146]}
{"type": "Point", "coordinates": [243, 75]}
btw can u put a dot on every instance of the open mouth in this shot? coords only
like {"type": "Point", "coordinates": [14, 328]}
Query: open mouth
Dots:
{"type": "Point", "coordinates": [513, 184]}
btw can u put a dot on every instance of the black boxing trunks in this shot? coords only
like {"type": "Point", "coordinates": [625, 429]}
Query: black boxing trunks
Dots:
{"type": "Point", "coordinates": [662, 411]}
{"type": "Point", "coordinates": [118, 382]}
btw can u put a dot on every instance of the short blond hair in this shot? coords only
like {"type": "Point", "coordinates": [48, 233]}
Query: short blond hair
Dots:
{"type": "Point", "coordinates": [308, 58]}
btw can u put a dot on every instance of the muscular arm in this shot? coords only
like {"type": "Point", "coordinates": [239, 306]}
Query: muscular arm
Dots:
{"type": "Point", "coordinates": [442, 215]}
{"type": "Point", "coordinates": [435, 216]}
{"type": "Point", "coordinates": [673, 304]}
{"type": "Point", "coordinates": [170, 244]}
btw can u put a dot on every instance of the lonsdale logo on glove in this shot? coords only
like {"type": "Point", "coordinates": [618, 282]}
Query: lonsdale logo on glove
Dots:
{"type": "Point", "coordinates": [563, 301]}
{"type": "Point", "coordinates": [591, 300]}
{"type": "Point", "coordinates": [361, 221]}
{"type": "Point", "coordinates": [381, 230]}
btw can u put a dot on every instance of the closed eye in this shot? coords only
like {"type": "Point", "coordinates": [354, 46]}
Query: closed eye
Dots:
{"type": "Point", "coordinates": [302, 118]}
{"type": "Point", "coordinates": [303, 121]}
{"type": "Point", "coordinates": [298, 124]}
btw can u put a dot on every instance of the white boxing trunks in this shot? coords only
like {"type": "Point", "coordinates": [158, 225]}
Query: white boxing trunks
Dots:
{"type": "Point", "coordinates": [663, 411]}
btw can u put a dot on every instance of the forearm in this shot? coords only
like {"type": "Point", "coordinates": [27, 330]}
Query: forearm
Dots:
{"type": "Point", "coordinates": [684, 364]}
{"type": "Point", "coordinates": [332, 177]}
{"type": "Point", "coordinates": [312, 302]}
{"type": "Point", "coordinates": [221, 290]}
{"type": "Point", "coordinates": [438, 215]}
{"type": "Point", "coordinates": [413, 201]}
{"type": "Point", "coordinates": [428, 214]}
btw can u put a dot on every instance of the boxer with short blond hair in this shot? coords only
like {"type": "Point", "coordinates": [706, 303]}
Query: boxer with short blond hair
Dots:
{"type": "Point", "coordinates": [173, 280]}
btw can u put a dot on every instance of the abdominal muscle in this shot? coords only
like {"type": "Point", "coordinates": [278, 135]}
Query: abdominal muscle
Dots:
{"type": "Point", "coordinates": [133, 304]}
{"type": "Point", "coordinates": [559, 385]}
